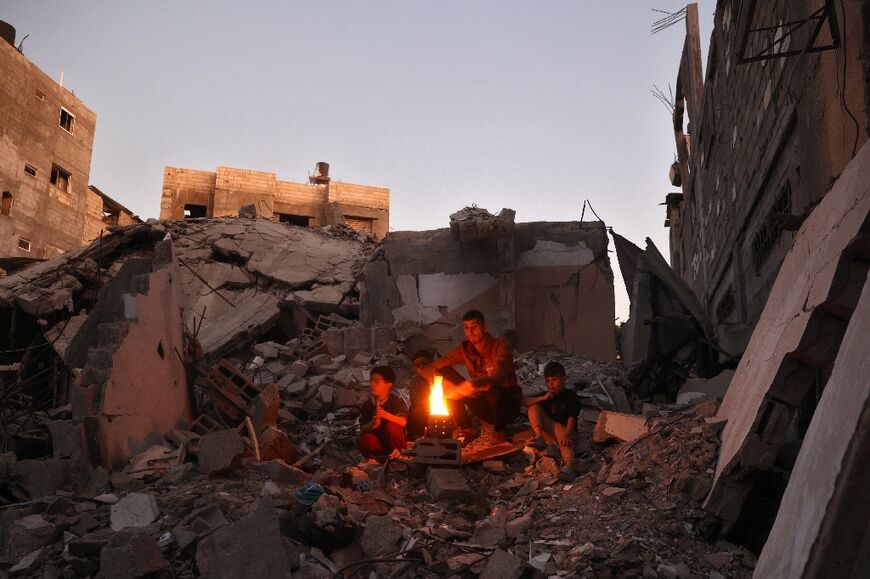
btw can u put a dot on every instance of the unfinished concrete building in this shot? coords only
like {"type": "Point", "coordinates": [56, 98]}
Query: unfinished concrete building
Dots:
{"type": "Point", "coordinates": [770, 231]}
{"type": "Point", "coordinates": [46, 138]}
{"type": "Point", "coordinates": [760, 138]}
{"type": "Point", "coordinates": [190, 194]}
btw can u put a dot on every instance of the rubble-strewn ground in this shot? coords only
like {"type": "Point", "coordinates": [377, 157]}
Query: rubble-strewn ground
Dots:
{"type": "Point", "coordinates": [632, 512]}
{"type": "Point", "coordinates": [267, 481]}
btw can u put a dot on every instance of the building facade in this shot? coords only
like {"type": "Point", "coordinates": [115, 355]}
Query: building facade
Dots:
{"type": "Point", "coordinates": [46, 139]}
{"type": "Point", "coordinates": [760, 140]}
{"type": "Point", "coordinates": [188, 194]}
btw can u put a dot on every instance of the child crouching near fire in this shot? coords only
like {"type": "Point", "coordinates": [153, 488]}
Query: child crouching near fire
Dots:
{"type": "Point", "coordinates": [383, 417]}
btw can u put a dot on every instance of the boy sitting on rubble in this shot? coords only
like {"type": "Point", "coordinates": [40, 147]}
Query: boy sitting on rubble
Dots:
{"type": "Point", "coordinates": [553, 416]}
{"type": "Point", "coordinates": [383, 417]}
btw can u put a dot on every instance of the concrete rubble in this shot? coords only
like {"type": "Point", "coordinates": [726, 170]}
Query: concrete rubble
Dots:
{"type": "Point", "coordinates": [258, 471]}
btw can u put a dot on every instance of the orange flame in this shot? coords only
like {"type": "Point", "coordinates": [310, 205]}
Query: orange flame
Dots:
{"type": "Point", "coordinates": [437, 406]}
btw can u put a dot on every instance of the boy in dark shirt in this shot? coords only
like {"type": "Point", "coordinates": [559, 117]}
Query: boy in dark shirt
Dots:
{"type": "Point", "coordinates": [553, 415]}
{"type": "Point", "coordinates": [383, 417]}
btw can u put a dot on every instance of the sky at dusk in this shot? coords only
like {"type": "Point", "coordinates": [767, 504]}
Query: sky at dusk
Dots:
{"type": "Point", "coordinates": [533, 105]}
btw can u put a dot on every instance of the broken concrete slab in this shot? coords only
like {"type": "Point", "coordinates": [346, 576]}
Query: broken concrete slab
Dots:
{"type": "Point", "coordinates": [276, 445]}
{"type": "Point", "coordinates": [797, 336]}
{"type": "Point", "coordinates": [220, 452]}
{"type": "Point", "coordinates": [823, 515]}
{"type": "Point", "coordinates": [44, 477]}
{"type": "Point", "coordinates": [134, 510]}
{"type": "Point", "coordinates": [250, 547]}
{"type": "Point", "coordinates": [616, 425]}
{"type": "Point", "coordinates": [130, 555]}
{"type": "Point", "coordinates": [380, 536]}
{"type": "Point", "coordinates": [448, 485]}
{"type": "Point", "coordinates": [503, 565]}
{"type": "Point", "coordinates": [28, 534]}
{"type": "Point", "coordinates": [713, 388]}
{"type": "Point", "coordinates": [263, 409]}
{"type": "Point", "coordinates": [251, 315]}
{"type": "Point", "coordinates": [28, 564]}
{"type": "Point", "coordinates": [284, 474]}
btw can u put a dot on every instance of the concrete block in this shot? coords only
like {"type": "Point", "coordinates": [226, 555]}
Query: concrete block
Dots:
{"type": "Point", "coordinates": [320, 362]}
{"type": "Point", "coordinates": [134, 510]}
{"type": "Point", "coordinates": [299, 368]}
{"type": "Point", "coordinates": [263, 409]}
{"type": "Point", "coordinates": [333, 339]}
{"type": "Point", "coordinates": [284, 474]}
{"type": "Point", "coordinates": [361, 359]}
{"type": "Point", "coordinates": [383, 340]}
{"type": "Point", "coordinates": [131, 554]}
{"type": "Point", "coordinates": [448, 485]}
{"type": "Point", "coordinates": [220, 452]}
{"type": "Point", "coordinates": [28, 564]}
{"type": "Point", "coordinates": [357, 340]}
{"type": "Point", "coordinates": [380, 536]}
{"type": "Point", "coordinates": [28, 534]}
{"type": "Point", "coordinates": [66, 438]}
{"type": "Point", "coordinates": [44, 477]}
{"type": "Point", "coordinates": [276, 445]}
{"type": "Point", "coordinates": [503, 565]}
{"type": "Point", "coordinates": [615, 425]}
{"type": "Point", "coordinates": [250, 547]}
{"type": "Point", "coordinates": [714, 388]}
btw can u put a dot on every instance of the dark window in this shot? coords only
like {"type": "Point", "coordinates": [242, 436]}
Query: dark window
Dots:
{"type": "Point", "coordinates": [727, 306]}
{"type": "Point", "coordinates": [6, 203]}
{"type": "Point", "coordinates": [23, 244]}
{"type": "Point", "coordinates": [194, 211]}
{"type": "Point", "coordinates": [768, 235]}
{"type": "Point", "coordinates": [60, 178]}
{"type": "Point", "coordinates": [302, 220]}
{"type": "Point", "coordinates": [40, 95]}
{"type": "Point", "coordinates": [67, 120]}
{"type": "Point", "coordinates": [30, 170]}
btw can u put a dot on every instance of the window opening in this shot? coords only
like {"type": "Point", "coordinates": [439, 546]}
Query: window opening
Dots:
{"type": "Point", "coordinates": [771, 230]}
{"type": "Point", "coordinates": [302, 220]}
{"type": "Point", "coordinates": [60, 178]}
{"type": "Point", "coordinates": [23, 244]}
{"type": "Point", "coordinates": [195, 211]}
{"type": "Point", "coordinates": [67, 120]}
{"type": "Point", "coordinates": [30, 170]}
{"type": "Point", "coordinates": [40, 95]}
{"type": "Point", "coordinates": [6, 203]}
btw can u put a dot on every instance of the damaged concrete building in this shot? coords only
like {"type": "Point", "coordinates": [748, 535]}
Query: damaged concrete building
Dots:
{"type": "Point", "coordinates": [546, 283]}
{"type": "Point", "coordinates": [46, 139]}
{"type": "Point", "coordinates": [190, 194]}
{"type": "Point", "coordinates": [760, 139]}
{"type": "Point", "coordinates": [770, 233]}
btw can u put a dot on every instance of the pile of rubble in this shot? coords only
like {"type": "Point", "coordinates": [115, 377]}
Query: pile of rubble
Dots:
{"type": "Point", "coordinates": [257, 365]}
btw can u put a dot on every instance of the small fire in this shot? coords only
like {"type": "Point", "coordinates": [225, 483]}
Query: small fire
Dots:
{"type": "Point", "coordinates": [437, 407]}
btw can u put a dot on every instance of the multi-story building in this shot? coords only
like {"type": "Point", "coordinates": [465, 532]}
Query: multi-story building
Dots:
{"type": "Point", "coordinates": [188, 193]}
{"type": "Point", "coordinates": [46, 138]}
{"type": "Point", "coordinates": [781, 111]}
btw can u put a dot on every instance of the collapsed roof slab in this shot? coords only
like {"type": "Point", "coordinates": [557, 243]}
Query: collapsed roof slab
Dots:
{"type": "Point", "coordinates": [822, 520]}
{"type": "Point", "coordinates": [797, 337]}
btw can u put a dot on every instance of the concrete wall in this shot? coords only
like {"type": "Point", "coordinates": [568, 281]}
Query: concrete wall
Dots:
{"type": "Point", "coordinates": [141, 379]}
{"type": "Point", "coordinates": [52, 219]}
{"type": "Point", "coordinates": [226, 190]}
{"type": "Point", "coordinates": [545, 284]}
{"type": "Point", "coordinates": [767, 131]}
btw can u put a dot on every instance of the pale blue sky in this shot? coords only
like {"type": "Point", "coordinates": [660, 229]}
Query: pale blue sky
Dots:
{"type": "Point", "coordinates": [532, 105]}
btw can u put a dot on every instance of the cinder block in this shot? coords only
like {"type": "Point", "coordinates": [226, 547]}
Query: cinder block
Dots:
{"type": "Point", "coordinates": [448, 485]}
